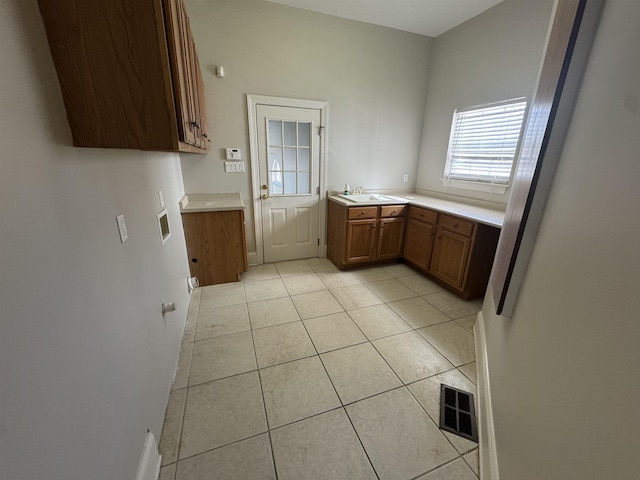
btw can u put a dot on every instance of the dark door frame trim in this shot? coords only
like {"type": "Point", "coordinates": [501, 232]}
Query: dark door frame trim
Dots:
{"type": "Point", "coordinates": [569, 43]}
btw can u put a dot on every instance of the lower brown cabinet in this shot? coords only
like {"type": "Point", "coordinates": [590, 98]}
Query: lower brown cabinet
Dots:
{"type": "Point", "coordinates": [455, 251]}
{"type": "Point", "coordinates": [216, 245]}
{"type": "Point", "coordinates": [361, 235]}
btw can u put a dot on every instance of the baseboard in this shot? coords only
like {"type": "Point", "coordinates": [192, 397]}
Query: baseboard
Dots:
{"type": "Point", "coordinates": [252, 257]}
{"type": "Point", "coordinates": [488, 453]}
{"type": "Point", "coordinates": [149, 466]}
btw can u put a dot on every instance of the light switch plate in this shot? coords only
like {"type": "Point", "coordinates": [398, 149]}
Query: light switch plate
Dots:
{"type": "Point", "coordinates": [122, 228]}
{"type": "Point", "coordinates": [234, 167]}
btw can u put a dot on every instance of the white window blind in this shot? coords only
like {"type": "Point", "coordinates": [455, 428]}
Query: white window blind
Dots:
{"type": "Point", "coordinates": [483, 142]}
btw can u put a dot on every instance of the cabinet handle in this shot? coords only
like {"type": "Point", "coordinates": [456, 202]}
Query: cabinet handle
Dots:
{"type": "Point", "coordinates": [195, 124]}
{"type": "Point", "coordinates": [194, 260]}
{"type": "Point", "coordinates": [373, 226]}
{"type": "Point", "coordinates": [363, 213]}
{"type": "Point", "coordinates": [393, 213]}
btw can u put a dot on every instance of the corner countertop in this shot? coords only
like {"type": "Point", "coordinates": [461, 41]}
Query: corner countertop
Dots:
{"type": "Point", "coordinates": [487, 216]}
{"type": "Point", "coordinates": [210, 202]}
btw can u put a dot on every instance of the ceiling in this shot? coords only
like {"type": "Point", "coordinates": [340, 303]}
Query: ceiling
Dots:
{"type": "Point", "coordinates": [425, 17]}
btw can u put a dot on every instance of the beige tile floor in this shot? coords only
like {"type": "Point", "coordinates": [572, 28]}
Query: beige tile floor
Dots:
{"type": "Point", "coordinates": [301, 371]}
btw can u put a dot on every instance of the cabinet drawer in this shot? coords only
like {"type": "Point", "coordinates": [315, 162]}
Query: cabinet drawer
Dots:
{"type": "Point", "coordinates": [423, 214]}
{"type": "Point", "coordinates": [393, 211]}
{"type": "Point", "coordinates": [454, 224]}
{"type": "Point", "coordinates": [363, 212]}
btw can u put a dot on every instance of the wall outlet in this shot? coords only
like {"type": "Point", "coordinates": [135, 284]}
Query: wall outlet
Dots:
{"type": "Point", "coordinates": [122, 228]}
{"type": "Point", "coordinates": [405, 178]}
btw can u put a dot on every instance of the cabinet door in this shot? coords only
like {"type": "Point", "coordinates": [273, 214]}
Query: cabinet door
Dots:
{"type": "Point", "coordinates": [187, 85]}
{"type": "Point", "coordinates": [418, 243]}
{"type": "Point", "coordinates": [450, 252]}
{"type": "Point", "coordinates": [390, 238]}
{"type": "Point", "coordinates": [361, 241]}
{"type": "Point", "coordinates": [215, 245]}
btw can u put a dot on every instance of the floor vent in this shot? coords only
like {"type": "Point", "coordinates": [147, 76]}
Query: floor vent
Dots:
{"type": "Point", "coordinates": [457, 413]}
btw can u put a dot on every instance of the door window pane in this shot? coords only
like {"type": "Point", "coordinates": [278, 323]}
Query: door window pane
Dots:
{"type": "Point", "coordinates": [275, 170]}
{"type": "Point", "coordinates": [303, 182]}
{"type": "Point", "coordinates": [290, 137]}
{"type": "Point", "coordinates": [303, 159]}
{"type": "Point", "coordinates": [290, 183]}
{"type": "Point", "coordinates": [304, 134]}
{"type": "Point", "coordinates": [289, 147]}
{"type": "Point", "coordinates": [275, 132]}
{"type": "Point", "coordinates": [290, 158]}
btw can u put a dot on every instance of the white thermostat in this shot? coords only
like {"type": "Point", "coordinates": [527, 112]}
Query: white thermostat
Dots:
{"type": "Point", "coordinates": [233, 154]}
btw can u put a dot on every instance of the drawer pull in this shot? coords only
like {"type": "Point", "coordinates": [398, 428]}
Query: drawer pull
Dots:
{"type": "Point", "coordinates": [393, 213]}
{"type": "Point", "coordinates": [363, 213]}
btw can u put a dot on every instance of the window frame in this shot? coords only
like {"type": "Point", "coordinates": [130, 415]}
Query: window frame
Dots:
{"type": "Point", "coordinates": [479, 183]}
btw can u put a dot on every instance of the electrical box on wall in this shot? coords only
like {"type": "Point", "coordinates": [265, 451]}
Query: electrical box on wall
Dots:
{"type": "Point", "coordinates": [233, 154]}
{"type": "Point", "coordinates": [163, 226]}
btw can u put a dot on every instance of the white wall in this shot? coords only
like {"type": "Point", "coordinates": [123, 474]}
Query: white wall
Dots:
{"type": "Point", "coordinates": [374, 79]}
{"type": "Point", "coordinates": [86, 358]}
{"type": "Point", "coordinates": [492, 57]}
{"type": "Point", "coordinates": [564, 369]}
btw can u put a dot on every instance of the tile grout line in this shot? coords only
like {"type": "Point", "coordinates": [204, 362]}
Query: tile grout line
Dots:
{"type": "Point", "coordinates": [317, 354]}
{"type": "Point", "coordinates": [264, 404]}
{"type": "Point", "coordinates": [342, 406]}
{"type": "Point", "coordinates": [186, 395]}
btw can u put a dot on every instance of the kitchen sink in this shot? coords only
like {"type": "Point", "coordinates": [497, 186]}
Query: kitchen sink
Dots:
{"type": "Point", "coordinates": [372, 198]}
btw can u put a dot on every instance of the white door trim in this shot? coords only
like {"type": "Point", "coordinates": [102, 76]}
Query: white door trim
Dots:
{"type": "Point", "coordinates": [252, 102]}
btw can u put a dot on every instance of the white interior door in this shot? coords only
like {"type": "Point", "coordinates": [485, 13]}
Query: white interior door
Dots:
{"type": "Point", "coordinates": [289, 174]}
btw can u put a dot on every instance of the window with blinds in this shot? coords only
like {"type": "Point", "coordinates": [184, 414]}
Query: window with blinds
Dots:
{"type": "Point", "coordinates": [483, 142]}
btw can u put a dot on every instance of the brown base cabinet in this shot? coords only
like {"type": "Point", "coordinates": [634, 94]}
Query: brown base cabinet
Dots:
{"type": "Point", "coordinates": [456, 252]}
{"type": "Point", "coordinates": [216, 245]}
{"type": "Point", "coordinates": [418, 242]}
{"type": "Point", "coordinates": [362, 235]}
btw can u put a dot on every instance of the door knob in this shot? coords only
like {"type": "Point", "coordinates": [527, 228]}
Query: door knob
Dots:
{"type": "Point", "coordinates": [264, 196]}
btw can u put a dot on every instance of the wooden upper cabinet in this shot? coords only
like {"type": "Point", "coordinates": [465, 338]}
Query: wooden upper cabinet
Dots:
{"type": "Point", "coordinates": [129, 73]}
{"type": "Point", "coordinates": [188, 89]}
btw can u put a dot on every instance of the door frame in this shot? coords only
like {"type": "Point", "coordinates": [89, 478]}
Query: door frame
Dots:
{"type": "Point", "coordinates": [252, 102]}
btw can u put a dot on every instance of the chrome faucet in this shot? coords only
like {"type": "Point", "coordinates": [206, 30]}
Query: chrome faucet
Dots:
{"type": "Point", "coordinates": [356, 191]}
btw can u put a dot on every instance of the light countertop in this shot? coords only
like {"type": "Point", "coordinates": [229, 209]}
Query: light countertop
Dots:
{"type": "Point", "coordinates": [210, 202]}
{"type": "Point", "coordinates": [487, 216]}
